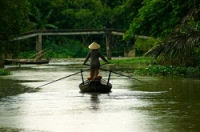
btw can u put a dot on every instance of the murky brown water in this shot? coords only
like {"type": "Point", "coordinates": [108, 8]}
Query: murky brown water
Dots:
{"type": "Point", "coordinates": [164, 105]}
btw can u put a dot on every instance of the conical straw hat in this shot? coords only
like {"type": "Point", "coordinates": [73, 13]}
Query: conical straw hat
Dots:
{"type": "Point", "coordinates": [94, 46]}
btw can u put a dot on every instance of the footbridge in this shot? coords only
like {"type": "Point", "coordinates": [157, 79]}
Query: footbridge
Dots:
{"type": "Point", "coordinates": [39, 33]}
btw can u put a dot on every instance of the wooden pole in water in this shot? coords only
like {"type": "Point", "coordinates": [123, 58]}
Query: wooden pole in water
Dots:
{"type": "Point", "coordinates": [109, 77]}
{"type": "Point", "coordinates": [38, 45]}
{"type": "Point", "coordinates": [82, 77]}
{"type": "Point", "coordinates": [108, 37]}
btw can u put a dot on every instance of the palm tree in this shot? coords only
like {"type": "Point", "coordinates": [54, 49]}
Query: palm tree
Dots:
{"type": "Point", "coordinates": [41, 22]}
{"type": "Point", "coordinates": [182, 46]}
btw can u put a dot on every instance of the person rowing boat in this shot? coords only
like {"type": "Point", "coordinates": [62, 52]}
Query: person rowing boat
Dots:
{"type": "Point", "coordinates": [94, 54]}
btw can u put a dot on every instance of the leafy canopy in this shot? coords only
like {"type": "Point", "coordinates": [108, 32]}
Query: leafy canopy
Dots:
{"type": "Point", "coordinates": [157, 18]}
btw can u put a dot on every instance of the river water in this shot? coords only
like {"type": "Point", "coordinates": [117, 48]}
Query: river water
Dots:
{"type": "Point", "coordinates": [165, 104]}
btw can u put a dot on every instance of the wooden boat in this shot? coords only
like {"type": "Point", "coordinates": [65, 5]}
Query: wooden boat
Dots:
{"type": "Point", "coordinates": [101, 86]}
{"type": "Point", "coordinates": [25, 61]}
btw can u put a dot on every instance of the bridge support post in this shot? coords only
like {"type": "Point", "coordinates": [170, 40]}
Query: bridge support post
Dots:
{"type": "Point", "coordinates": [38, 45]}
{"type": "Point", "coordinates": [108, 40]}
{"type": "Point", "coordinates": [1, 63]}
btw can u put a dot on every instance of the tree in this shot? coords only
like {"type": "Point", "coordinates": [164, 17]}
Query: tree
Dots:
{"type": "Point", "coordinates": [123, 13]}
{"type": "Point", "coordinates": [40, 21]}
{"type": "Point", "coordinates": [79, 14]}
{"type": "Point", "coordinates": [13, 21]}
{"type": "Point", "coordinates": [182, 47]}
{"type": "Point", "coordinates": [157, 18]}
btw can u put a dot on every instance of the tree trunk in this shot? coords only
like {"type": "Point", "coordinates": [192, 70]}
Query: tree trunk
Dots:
{"type": "Point", "coordinates": [108, 41]}
{"type": "Point", "coordinates": [38, 46]}
{"type": "Point", "coordinates": [84, 39]}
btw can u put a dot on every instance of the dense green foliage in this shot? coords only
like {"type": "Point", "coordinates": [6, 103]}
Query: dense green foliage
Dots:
{"type": "Point", "coordinates": [181, 47]}
{"type": "Point", "coordinates": [159, 70]}
{"type": "Point", "coordinates": [154, 18]}
{"type": "Point", "coordinates": [13, 21]}
{"type": "Point", "coordinates": [136, 60]}
{"type": "Point", "coordinates": [67, 48]}
{"type": "Point", "coordinates": [158, 18]}
{"type": "Point", "coordinates": [143, 66]}
{"type": "Point", "coordinates": [39, 21]}
{"type": "Point", "coordinates": [142, 45]}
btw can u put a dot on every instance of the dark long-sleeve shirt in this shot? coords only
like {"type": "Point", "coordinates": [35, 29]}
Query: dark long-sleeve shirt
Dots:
{"type": "Point", "coordinates": [94, 56]}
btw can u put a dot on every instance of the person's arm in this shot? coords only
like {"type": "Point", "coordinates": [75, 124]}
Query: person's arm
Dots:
{"type": "Point", "coordinates": [87, 57]}
{"type": "Point", "coordinates": [102, 57]}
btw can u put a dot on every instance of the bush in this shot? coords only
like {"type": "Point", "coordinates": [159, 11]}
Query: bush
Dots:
{"type": "Point", "coordinates": [59, 49]}
{"type": "Point", "coordinates": [143, 45]}
{"type": "Point", "coordinates": [159, 70]}
{"type": "Point", "coordinates": [192, 72]}
{"type": "Point", "coordinates": [154, 70]}
{"type": "Point", "coordinates": [5, 72]}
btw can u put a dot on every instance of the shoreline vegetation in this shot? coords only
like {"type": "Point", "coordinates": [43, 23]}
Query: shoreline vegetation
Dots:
{"type": "Point", "coordinates": [4, 72]}
{"type": "Point", "coordinates": [147, 68]}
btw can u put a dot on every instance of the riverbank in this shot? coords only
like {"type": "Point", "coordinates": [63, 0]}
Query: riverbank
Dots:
{"type": "Point", "coordinates": [145, 67]}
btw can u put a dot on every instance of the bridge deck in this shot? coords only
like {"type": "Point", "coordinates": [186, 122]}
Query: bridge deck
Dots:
{"type": "Point", "coordinates": [70, 32]}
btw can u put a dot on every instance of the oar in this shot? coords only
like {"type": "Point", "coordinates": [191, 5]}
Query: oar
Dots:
{"type": "Point", "coordinates": [124, 75]}
{"type": "Point", "coordinates": [119, 73]}
{"type": "Point", "coordinates": [60, 78]}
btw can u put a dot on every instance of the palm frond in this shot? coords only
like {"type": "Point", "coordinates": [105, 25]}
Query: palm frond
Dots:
{"type": "Point", "coordinates": [182, 46]}
{"type": "Point", "coordinates": [40, 21]}
{"type": "Point", "coordinates": [51, 26]}
{"type": "Point", "coordinates": [178, 46]}
{"type": "Point", "coordinates": [48, 15]}
{"type": "Point", "coordinates": [37, 14]}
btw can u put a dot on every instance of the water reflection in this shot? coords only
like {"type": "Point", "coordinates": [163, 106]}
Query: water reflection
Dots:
{"type": "Point", "coordinates": [95, 102]}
